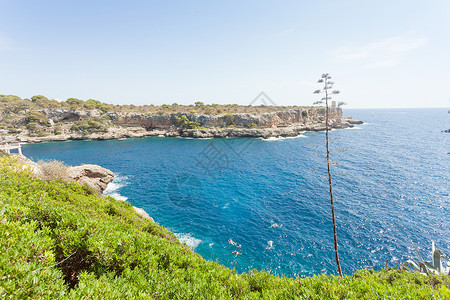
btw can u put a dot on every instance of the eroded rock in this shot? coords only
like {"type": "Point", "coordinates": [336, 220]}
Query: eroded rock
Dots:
{"type": "Point", "coordinates": [94, 176]}
{"type": "Point", "coordinates": [143, 214]}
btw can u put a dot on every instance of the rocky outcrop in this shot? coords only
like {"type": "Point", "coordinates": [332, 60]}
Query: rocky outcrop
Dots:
{"type": "Point", "coordinates": [143, 214]}
{"type": "Point", "coordinates": [65, 115]}
{"type": "Point", "coordinates": [164, 121]}
{"type": "Point", "coordinates": [352, 121]}
{"type": "Point", "coordinates": [307, 115]}
{"type": "Point", "coordinates": [92, 175]}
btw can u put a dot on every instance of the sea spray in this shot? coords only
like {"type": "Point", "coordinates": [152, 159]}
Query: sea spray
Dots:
{"type": "Point", "coordinates": [188, 239]}
{"type": "Point", "coordinates": [114, 187]}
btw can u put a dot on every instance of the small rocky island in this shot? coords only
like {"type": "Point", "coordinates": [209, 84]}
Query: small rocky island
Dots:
{"type": "Point", "coordinates": [41, 120]}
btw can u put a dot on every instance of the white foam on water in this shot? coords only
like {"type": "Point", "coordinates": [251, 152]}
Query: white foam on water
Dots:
{"type": "Point", "coordinates": [355, 127]}
{"type": "Point", "coordinates": [113, 187]}
{"type": "Point", "coordinates": [272, 139]}
{"type": "Point", "coordinates": [188, 239]}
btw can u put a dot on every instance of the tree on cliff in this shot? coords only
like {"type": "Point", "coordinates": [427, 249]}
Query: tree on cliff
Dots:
{"type": "Point", "coordinates": [327, 90]}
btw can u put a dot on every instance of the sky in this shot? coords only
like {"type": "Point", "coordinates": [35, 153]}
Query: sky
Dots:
{"type": "Point", "coordinates": [381, 54]}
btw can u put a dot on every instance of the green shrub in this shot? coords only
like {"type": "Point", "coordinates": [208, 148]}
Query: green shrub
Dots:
{"type": "Point", "coordinates": [58, 241]}
{"type": "Point", "coordinates": [34, 116]}
{"type": "Point", "coordinates": [41, 133]}
{"type": "Point", "coordinates": [186, 123]}
{"type": "Point", "coordinates": [230, 120]}
{"type": "Point", "coordinates": [32, 126]}
{"type": "Point", "coordinates": [74, 127]}
{"type": "Point", "coordinates": [91, 125]}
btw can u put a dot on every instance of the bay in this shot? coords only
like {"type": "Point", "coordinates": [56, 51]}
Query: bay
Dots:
{"type": "Point", "coordinates": [231, 199]}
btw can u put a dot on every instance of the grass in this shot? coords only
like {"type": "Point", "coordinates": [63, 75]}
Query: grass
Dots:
{"type": "Point", "coordinates": [57, 240]}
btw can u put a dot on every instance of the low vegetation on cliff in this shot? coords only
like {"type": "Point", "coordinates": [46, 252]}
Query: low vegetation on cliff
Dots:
{"type": "Point", "coordinates": [16, 104]}
{"type": "Point", "coordinates": [60, 240]}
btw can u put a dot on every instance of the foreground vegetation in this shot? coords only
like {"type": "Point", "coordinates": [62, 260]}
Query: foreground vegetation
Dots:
{"type": "Point", "coordinates": [61, 240]}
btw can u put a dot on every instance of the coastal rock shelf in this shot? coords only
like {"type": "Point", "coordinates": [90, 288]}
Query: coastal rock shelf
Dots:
{"type": "Point", "coordinates": [63, 125]}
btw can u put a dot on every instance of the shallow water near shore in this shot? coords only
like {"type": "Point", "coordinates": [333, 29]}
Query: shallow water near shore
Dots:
{"type": "Point", "coordinates": [230, 199]}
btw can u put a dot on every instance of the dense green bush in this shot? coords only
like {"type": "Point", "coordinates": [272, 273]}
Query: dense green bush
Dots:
{"type": "Point", "coordinates": [43, 102]}
{"type": "Point", "coordinates": [95, 104]}
{"type": "Point", "coordinates": [35, 116]}
{"type": "Point", "coordinates": [186, 123]}
{"type": "Point", "coordinates": [32, 126]}
{"type": "Point", "coordinates": [58, 240]}
{"type": "Point", "coordinates": [75, 103]}
{"type": "Point", "coordinates": [229, 120]}
{"type": "Point", "coordinates": [94, 124]}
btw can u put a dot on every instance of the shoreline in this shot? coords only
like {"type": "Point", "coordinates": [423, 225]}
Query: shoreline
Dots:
{"type": "Point", "coordinates": [57, 125]}
{"type": "Point", "coordinates": [118, 133]}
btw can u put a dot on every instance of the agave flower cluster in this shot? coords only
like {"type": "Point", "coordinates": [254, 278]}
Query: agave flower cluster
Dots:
{"type": "Point", "coordinates": [327, 89]}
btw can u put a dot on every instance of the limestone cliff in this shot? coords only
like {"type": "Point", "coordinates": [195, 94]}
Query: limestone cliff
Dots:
{"type": "Point", "coordinates": [94, 124]}
{"type": "Point", "coordinates": [284, 118]}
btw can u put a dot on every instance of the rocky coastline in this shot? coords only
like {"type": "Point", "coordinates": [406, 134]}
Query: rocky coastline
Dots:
{"type": "Point", "coordinates": [62, 125]}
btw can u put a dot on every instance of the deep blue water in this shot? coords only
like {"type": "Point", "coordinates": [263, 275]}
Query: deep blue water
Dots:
{"type": "Point", "coordinates": [391, 187]}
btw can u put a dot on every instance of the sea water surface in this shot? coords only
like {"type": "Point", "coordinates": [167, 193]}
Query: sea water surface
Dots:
{"type": "Point", "coordinates": [264, 204]}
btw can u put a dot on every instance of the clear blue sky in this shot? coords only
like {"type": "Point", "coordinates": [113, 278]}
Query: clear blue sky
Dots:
{"type": "Point", "coordinates": [392, 53]}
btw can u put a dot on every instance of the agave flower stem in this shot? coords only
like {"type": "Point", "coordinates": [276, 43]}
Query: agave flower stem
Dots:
{"type": "Point", "coordinates": [327, 129]}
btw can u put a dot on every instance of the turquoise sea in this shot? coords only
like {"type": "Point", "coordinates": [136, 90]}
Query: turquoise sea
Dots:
{"type": "Point", "coordinates": [230, 199]}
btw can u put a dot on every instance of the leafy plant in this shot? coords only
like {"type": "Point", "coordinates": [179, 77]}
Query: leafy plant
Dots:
{"type": "Point", "coordinates": [186, 123]}
{"type": "Point", "coordinates": [35, 116]}
{"type": "Point", "coordinates": [427, 268]}
{"type": "Point", "coordinates": [230, 119]}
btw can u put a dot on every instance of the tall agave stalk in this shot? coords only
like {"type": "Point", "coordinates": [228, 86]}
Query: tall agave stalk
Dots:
{"type": "Point", "coordinates": [328, 91]}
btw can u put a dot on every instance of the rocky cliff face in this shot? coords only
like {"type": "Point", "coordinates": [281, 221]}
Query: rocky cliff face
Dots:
{"type": "Point", "coordinates": [66, 125]}
{"type": "Point", "coordinates": [305, 116]}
